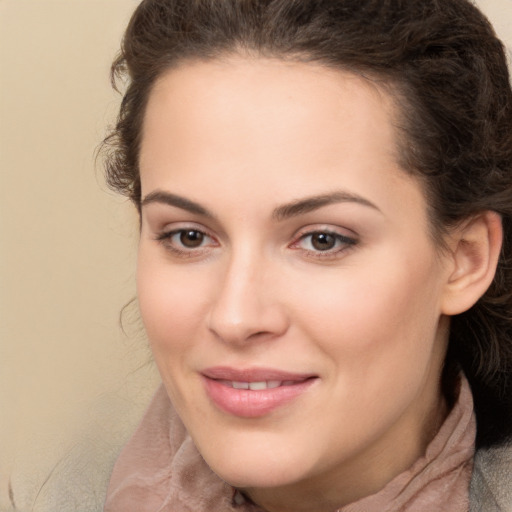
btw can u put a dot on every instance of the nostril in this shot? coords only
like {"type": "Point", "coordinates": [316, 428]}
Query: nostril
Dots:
{"type": "Point", "coordinates": [259, 334]}
{"type": "Point", "coordinates": [247, 331]}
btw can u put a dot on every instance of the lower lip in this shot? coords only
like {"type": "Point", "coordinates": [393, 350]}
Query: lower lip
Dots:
{"type": "Point", "coordinates": [253, 404]}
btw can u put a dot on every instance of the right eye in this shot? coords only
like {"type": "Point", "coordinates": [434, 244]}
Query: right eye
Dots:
{"type": "Point", "coordinates": [186, 241]}
{"type": "Point", "coordinates": [190, 238]}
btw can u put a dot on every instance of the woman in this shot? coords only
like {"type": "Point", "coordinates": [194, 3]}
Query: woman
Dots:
{"type": "Point", "coordinates": [325, 195]}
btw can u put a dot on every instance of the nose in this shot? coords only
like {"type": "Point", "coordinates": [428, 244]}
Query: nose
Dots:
{"type": "Point", "coordinates": [246, 304]}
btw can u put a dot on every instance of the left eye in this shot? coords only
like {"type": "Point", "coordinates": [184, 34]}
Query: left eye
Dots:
{"type": "Point", "coordinates": [324, 241]}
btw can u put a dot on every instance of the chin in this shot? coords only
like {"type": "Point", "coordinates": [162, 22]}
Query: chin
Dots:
{"type": "Point", "coordinates": [254, 467]}
{"type": "Point", "coordinates": [252, 478]}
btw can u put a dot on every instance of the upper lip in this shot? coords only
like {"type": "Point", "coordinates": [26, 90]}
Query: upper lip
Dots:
{"type": "Point", "coordinates": [253, 374]}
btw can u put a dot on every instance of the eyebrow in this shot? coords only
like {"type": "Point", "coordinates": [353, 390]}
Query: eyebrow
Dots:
{"type": "Point", "coordinates": [309, 204]}
{"type": "Point", "coordinates": [159, 196]}
{"type": "Point", "coordinates": [286, 211]}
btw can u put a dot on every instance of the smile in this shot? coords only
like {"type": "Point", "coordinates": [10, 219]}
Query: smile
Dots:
{"type": "Point", "coordinates": [255, 392]}
{"type": "Point", "coordinates": [258, 386]}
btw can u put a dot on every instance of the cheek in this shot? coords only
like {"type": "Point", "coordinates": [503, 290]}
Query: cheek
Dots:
{"type": "Point", "coordinates": [379, 333]}
{"type": "Point", "coordinates": [390, 311]}
{"type": "Point", "coordinates": [169, 302]}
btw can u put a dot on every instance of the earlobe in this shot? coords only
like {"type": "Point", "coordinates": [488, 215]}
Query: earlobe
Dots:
{"type": "Point", "coordinates": [476, 246]}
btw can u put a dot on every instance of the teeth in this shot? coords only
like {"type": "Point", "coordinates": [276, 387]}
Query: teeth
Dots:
{"type": "Point", "coordinates": [240, 385]}
{"type": "Point", "coordinates": [256, 386]}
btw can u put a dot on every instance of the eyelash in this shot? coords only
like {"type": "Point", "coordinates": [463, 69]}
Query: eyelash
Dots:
{"type": "Point", "coordinates": [342, 243]}
{"type": "Point", "coordinates": [166, 237]}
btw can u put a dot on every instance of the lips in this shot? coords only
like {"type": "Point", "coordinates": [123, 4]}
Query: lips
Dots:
{"type": "Point", "coordinates": [256, 392]}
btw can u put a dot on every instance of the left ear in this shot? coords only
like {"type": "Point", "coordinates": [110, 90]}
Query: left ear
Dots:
{"type": "Point", "coordinates": [475, 249]}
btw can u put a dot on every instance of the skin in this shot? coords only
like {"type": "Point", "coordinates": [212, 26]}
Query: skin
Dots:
{"type": "Point", "coordinates": [240, 138]}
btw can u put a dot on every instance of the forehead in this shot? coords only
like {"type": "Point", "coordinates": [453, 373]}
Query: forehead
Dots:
{"type": "Point", "coordinates": [230, 124]}
{"type": "Point", "coordinates": [264, 97]}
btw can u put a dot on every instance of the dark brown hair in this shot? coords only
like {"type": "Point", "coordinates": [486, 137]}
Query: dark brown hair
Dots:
{"type": "Point", "coordinates": [447, 71]}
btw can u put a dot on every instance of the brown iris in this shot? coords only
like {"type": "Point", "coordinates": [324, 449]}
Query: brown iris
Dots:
{"type": "Point", "coordinates": [191, 238]}
{"type": "Point", "coordinates": [323, 241]}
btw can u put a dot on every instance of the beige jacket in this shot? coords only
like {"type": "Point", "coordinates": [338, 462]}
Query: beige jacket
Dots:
{"type": "Point", "coordinates": [491, 483]}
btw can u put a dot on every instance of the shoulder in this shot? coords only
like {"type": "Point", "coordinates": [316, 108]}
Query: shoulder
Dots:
{"type": "Point", "coordinates": [491, 484]}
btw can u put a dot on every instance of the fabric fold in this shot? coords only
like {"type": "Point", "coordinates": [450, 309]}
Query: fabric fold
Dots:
{"type": "Point", "coordinates": [161, 470]}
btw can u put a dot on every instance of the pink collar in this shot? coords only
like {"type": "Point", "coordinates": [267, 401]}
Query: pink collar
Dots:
{"type": "Point", "coordinates": [160, 470]}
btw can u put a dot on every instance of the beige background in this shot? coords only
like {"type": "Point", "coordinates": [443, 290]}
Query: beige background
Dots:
{"type": "Point", "coordinates": [72, 384]}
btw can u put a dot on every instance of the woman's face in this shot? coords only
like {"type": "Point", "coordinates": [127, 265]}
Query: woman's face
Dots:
{"type": "Point", "coordinates": [287, 280]}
